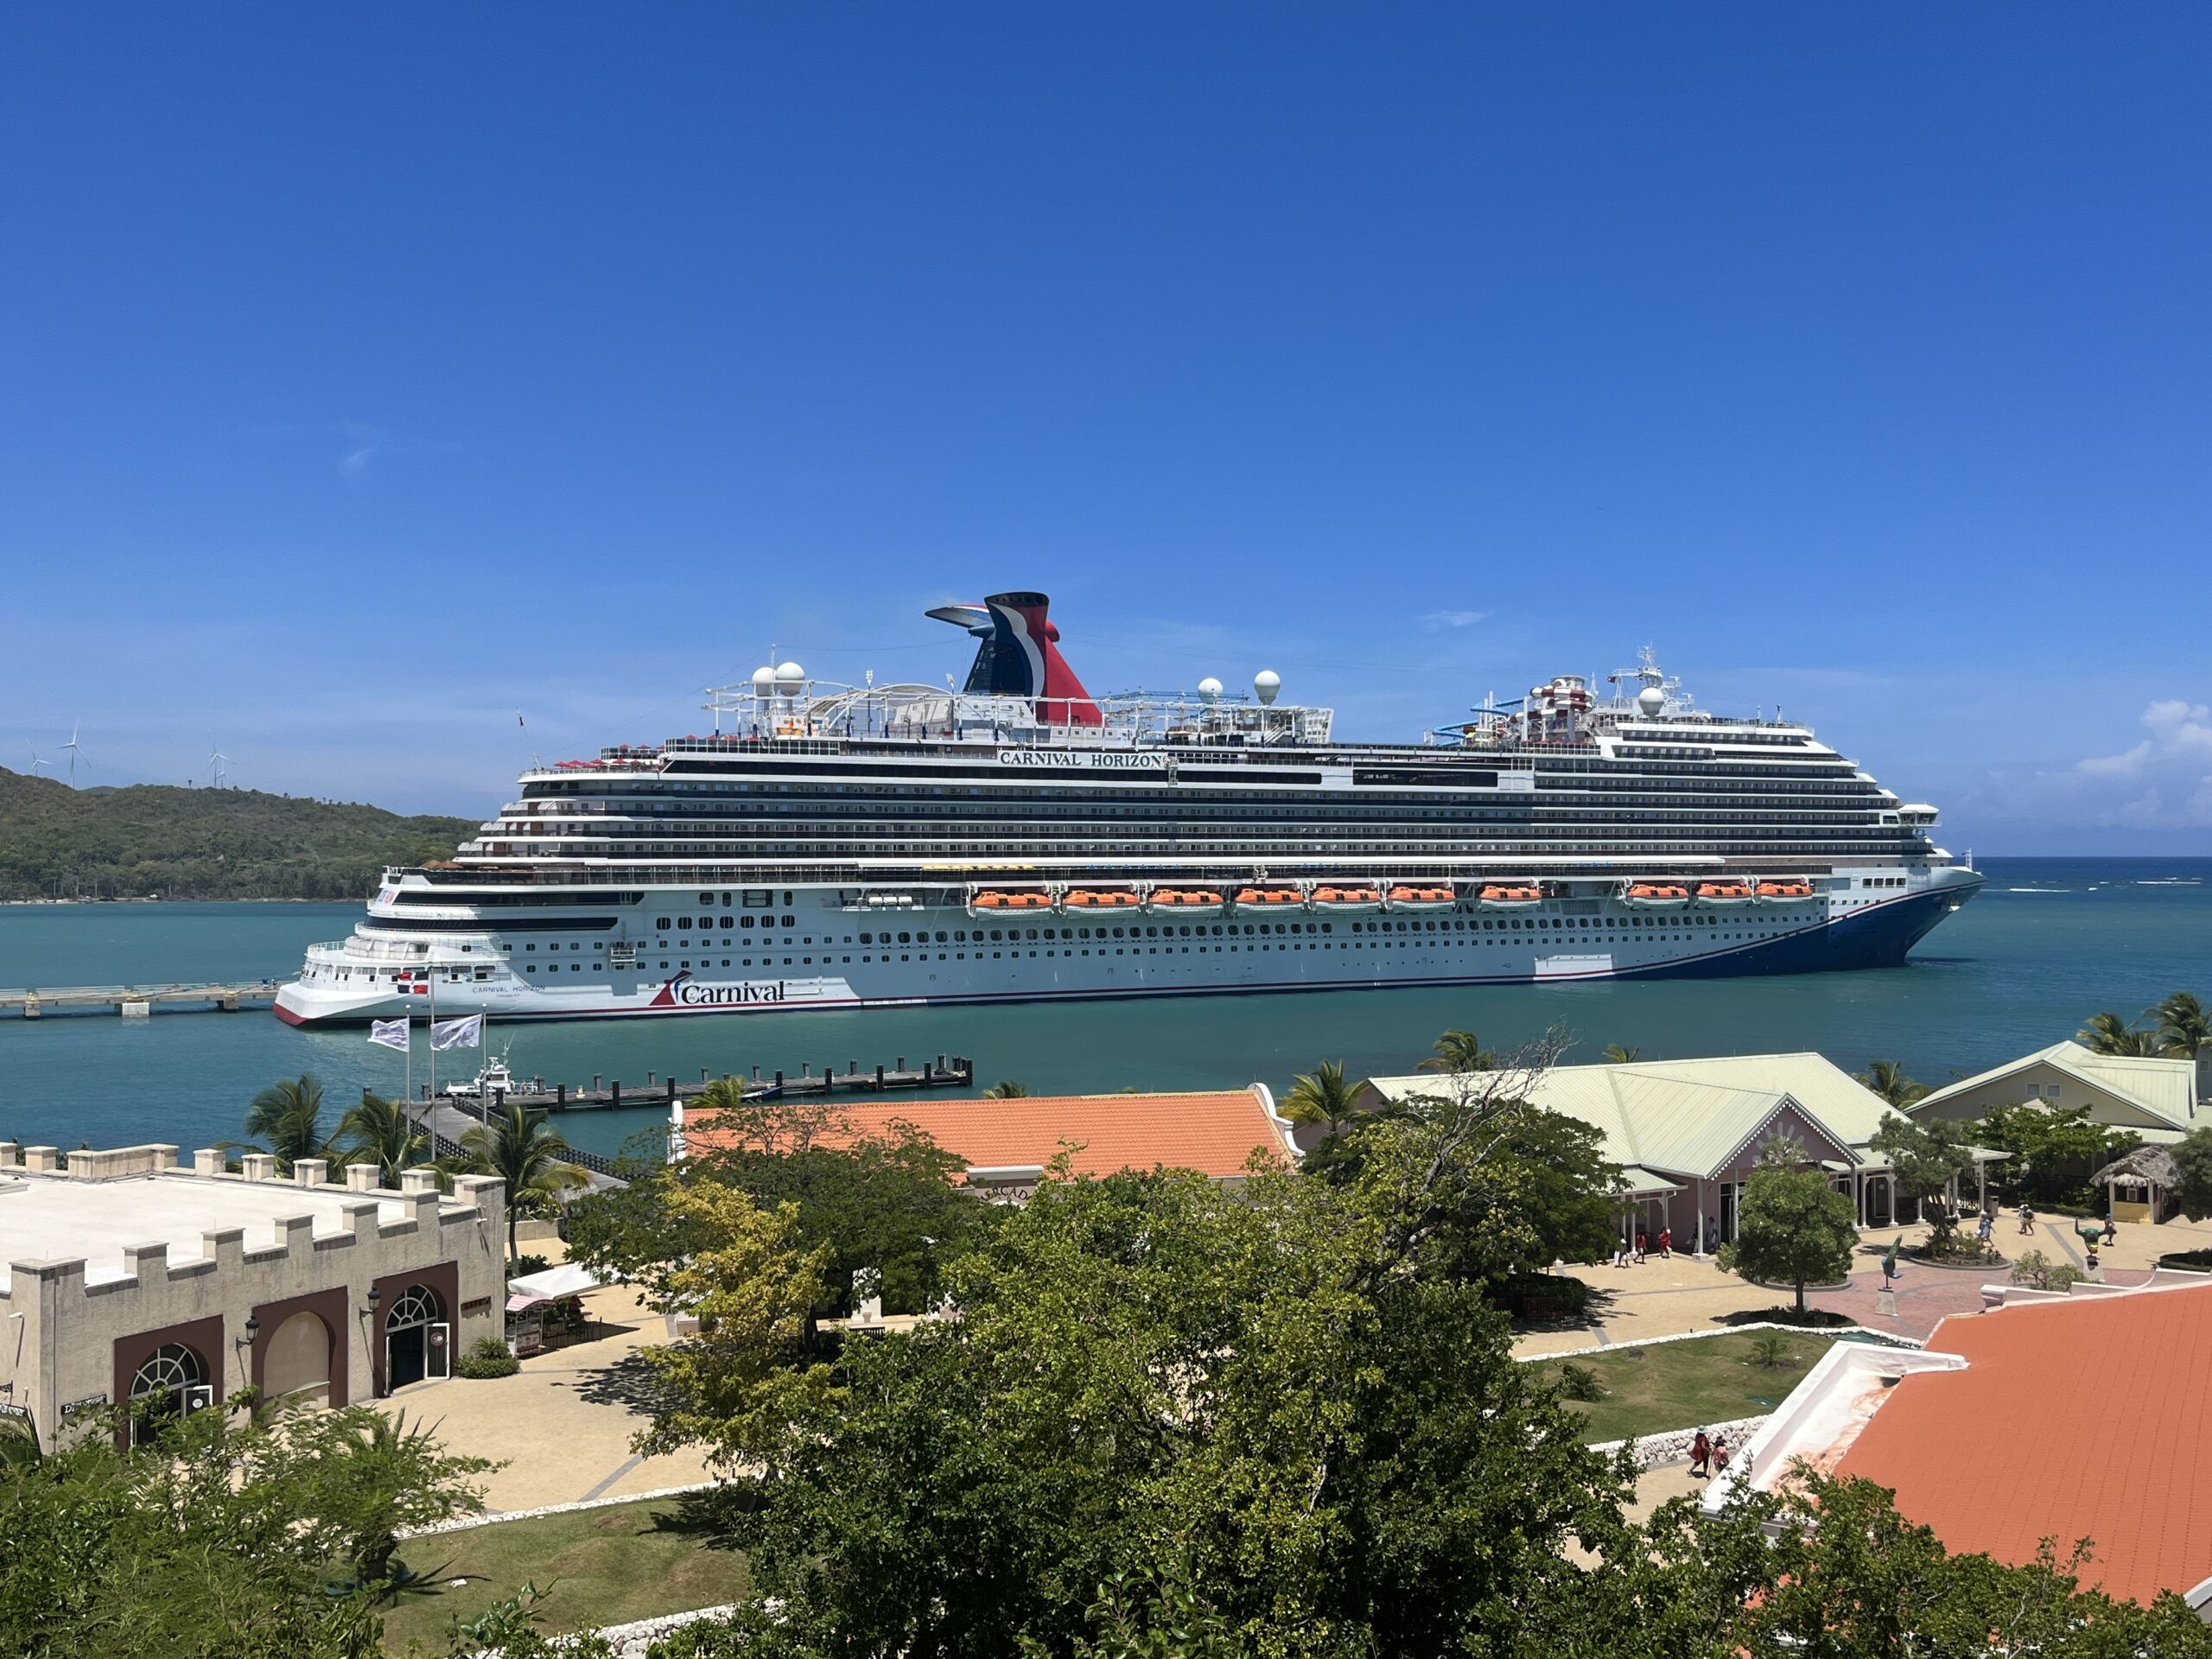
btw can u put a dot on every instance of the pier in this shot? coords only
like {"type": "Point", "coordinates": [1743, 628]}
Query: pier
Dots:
{"type": "Point", "coordinates": [137, 1002]}
{"type": "Point", "coordinates": [956, 1072]}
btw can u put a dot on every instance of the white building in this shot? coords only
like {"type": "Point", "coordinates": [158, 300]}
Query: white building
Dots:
{"type": "Point", "coordinates": [128, 1276]}
{"type": "Point", "coordinates": [2155, 1099]}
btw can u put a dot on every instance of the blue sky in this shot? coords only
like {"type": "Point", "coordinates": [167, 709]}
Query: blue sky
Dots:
{"type": "Point", "coordinates": [366, 375]}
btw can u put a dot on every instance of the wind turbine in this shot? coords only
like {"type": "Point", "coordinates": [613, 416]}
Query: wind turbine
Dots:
{"type": "Point", "coordinates": [74, 753]}
{"type": "Point", "coordinates": [216, 760]}
{"type": "Point", "coordinates": [37, 760]}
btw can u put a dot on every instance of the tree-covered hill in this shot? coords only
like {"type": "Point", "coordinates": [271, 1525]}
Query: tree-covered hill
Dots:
{"type": "Point", "coordinates": [153, 840]}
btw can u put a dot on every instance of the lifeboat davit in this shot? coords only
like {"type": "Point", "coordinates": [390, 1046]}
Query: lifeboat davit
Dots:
{"type": "Point", "coordinates": [994, 901]}
{"type": "Point", "coordinates": [1342, 900]}
{"type": "Point", "coordinates": [1655, 895]}
{"type": "Point", "coordinates": [1510, 897]}
{"type": "Point", "coordinates": [1414, 895]}
{"type": "Point", "coordinates": [1088, 899]}
{"type": "Point", "coordinates": [1794, 891]}
{"type": "Point", "coordinates": [1185, 902]}
{"type": "Point", "coordinates": [1724, 894]}
{"type": "Point", "coordinates": [1257, 898]}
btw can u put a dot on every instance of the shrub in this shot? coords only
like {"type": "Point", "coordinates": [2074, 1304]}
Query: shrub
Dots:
{"type": "Point", "coordinates": [1580, 1382]}
{"type": "Point", "coordinates": [1541, 1295]}
{"type": "Point", "coordinates": [2036, 1271]}
{"type": "Point", "coordinates": [488, 1357]}
{"type": "Point", "coordinates": [1770, 1351]}
{"type": "Point", "coordinates": [527, 1264]}
{"type": "Point", "coordinates": [2189, 1261]}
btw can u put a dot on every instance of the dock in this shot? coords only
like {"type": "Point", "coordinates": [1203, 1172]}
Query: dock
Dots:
{"type": "Point", "coordinates": [957, 1071]}
{"type": "Point", "coordinates": [137, 1002]}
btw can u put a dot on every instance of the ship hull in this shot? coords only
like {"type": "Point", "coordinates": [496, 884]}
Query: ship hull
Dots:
{"type": "Point", "coordinates": [947, 961]}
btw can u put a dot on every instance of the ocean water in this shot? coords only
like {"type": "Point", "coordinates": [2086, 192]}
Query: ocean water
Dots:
{"type": "Point", "coordinates": [2047, 944]}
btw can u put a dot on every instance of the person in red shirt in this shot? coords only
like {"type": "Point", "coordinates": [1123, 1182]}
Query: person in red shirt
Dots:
{"type": "Point", "coordinates": [1701, 1454]}
{"type": "Point", "coordinates": [1666, 1242]}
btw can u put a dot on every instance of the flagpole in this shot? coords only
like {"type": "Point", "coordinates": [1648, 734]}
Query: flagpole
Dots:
{"type": "Point", "coordinates": [433, 1033]}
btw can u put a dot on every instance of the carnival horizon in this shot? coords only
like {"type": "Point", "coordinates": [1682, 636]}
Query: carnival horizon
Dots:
{"type": "Point", "coordinates": [840, 847]}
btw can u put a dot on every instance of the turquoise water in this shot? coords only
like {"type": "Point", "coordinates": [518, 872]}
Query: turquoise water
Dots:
{"type": "Point", "coordinates": [2047, 944]}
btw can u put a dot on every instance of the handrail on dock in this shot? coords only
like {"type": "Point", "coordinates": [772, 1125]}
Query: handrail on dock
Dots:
{"type": "Point", "coordinates": [136, 1001]}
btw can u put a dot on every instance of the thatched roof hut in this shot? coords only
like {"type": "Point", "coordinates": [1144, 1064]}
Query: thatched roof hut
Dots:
{"type": "Point", "coordinates": [2146, 1176]}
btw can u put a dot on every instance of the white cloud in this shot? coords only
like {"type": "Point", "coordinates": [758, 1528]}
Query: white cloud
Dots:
{"type": "Point", "coordinates": [1452, 618]}
{"type": "Point", "coordinates": [352, 464]}
{"type": "Point", "coordinates": [2178, 729]}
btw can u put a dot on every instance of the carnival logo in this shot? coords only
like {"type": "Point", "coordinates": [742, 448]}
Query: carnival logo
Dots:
{"type": "Point", "coordinates": [685, 991]}
{"type": "Point", "coordinates": [1087, 762]}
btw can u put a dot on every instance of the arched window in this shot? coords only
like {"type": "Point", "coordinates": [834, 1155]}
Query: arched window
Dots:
{"type": "Point", "coordinates": [167, 1382]}
{"type": "Point", "coordinates": [417, 1306]}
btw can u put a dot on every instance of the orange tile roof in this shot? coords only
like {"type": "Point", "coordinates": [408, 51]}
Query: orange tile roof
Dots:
{"type": "Point", "coordinates": [1214, 1132]}
{"type": "Point", "coordinates": [2086, 1418]}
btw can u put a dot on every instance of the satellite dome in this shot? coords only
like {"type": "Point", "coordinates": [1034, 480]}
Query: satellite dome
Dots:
{"type": "Point", "coordinates": [1266, 684]}
{"type": "Point", "coordinates": [1210, 689]}
{"type": "Point", "coordinates": [790, 677]}
{"type": "Point", "coordinates": [1650, 701]}
{"type": "Point", "coordinates": [764, 680]}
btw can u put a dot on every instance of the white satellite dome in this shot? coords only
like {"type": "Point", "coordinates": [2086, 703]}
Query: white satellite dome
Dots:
{"type": "Point", "coordinates": [1650, 701]}
{"type": "Point", "coordinates": [1267, 685]}
{"type": "Point", "coordinates": [764, 680]}
{"type": "Point", "coordinates": [1210, 689]}
{"type": "Point", "coordinates": [790, 677]}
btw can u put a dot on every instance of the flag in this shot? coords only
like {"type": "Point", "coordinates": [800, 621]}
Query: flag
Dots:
{"type": "Point", "coordinates": [392, 1033]}
{"type": "Point", "coordinates": [466, 1033]}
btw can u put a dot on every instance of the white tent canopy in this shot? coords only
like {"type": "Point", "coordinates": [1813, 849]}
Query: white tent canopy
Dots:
{"type": "Point", "coordinates": [567, 1280]}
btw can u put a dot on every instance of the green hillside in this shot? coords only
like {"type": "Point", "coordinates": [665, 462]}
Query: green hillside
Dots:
{"type": "Point", "coordinates": [154, 841]}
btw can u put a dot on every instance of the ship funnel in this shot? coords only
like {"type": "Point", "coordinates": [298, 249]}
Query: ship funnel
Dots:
{"type": "Point", "coordinates": [1019, 657]}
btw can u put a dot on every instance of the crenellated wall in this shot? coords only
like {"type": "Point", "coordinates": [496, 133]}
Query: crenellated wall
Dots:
{"type": "Point", "coordinates": [68, 1339]}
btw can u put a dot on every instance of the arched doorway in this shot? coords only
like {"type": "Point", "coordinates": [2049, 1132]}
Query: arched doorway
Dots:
{"type": "Point", "coordinates": [296, 1365]}
{"type": "Point", "coordinates": [168, 1382]}
{"type": "Point", "coordinates": [418, 1340]}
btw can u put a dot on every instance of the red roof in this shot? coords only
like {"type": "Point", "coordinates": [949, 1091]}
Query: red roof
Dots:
{"type": "Point", "coordinates": [2086, 1418]}
{"type": "Point", "coordinates": [1214, 1132]}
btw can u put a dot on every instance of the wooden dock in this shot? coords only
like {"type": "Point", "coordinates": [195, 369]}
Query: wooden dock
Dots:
{"type": "Point", "coordinates": [957, 1071]}
{"type": "Point", "coordinates": [136, 1001]}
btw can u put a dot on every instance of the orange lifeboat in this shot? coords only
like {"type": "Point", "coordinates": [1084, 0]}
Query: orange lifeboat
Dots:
{"type": "Point", "coordinates": [1258, 898]}
{"type": "Point", "coordinates": [1794, 890]}
{"type": "Point", "coordinates": [1344, 899]}
{"type": "Point", "coordinates": [1185, 902]}
{"type": "Point", "coordinates": [1413, 895]}
{"type": "Point", "coordinates": [1510, 897]}
{"type": "Point", "coordinates": [1724, 893]}
{"type": "Point", "coordinates": [1655, 895]}
{"type": "Point", "coordinates": [1000, 898]}
{"type": "Point", "coordinates": [1099, 899]}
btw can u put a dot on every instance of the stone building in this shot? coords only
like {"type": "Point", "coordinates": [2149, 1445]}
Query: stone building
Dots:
{"type": "Point", "coordinates": [130, 1276]}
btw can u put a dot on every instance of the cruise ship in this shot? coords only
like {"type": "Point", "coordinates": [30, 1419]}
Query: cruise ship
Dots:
{"type": "Point", "coordinates": [1018, 839]}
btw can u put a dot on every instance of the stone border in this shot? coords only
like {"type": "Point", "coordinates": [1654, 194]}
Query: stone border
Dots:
{"type": "Point", "coordinates": [493, 1518]}
{"type": "Point", "coordinates": [630, 1641]}
{"type": "Point", "coordinates": [1673, 1444]}
{"type": "Point", "coordinates": [1892, 1339]}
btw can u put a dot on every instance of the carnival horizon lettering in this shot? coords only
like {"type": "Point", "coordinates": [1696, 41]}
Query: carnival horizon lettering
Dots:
{"type": "Point", "coordinates": [1084, 762]}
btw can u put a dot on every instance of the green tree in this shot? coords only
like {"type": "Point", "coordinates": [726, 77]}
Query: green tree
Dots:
{"type": "Point", "coordinates": [1323, 1098]}
{"type": "Point", "coordinates": [2184, 1026]}
{"type": "Point", "coordinates": [227, 1536]}
{"type": "Point", "coordinates": [2053, 1149]}
{"type": "Point", "coordinates": [1887, 1079]}
{"type": "Point", "coordinates": [2192, 1156]}
{"type": "Point", "coordinates": [524, 1150]}
{"type": "Point", "coordinates": [1925, 1157]}
{"type": "Point", "coordinates": [1792, 1228]}
{"type": "Point", "coordinates": [1615, 1055]}
{"type": "Point", "coordinates": [1460, 1050]}
{"type": "Point", "coordinates": [1007, 1089]}
{"type": "Point", "coordinates": [285, 1120]}
{"type": "Point", "coordinates": [383, 1132]}
{"type": "Point", "coordinates": [2111, 1034]}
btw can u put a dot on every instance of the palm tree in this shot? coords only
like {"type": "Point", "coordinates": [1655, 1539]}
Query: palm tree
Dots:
{"type": "Point", "coordinates": [1887, 1079]}
{"type": "Point", "coordinates": [517, 1146]}
{"type": "Point", "coordinates": [1460, 1050]}
{"type": "Point", "coordinates": [1008, 1090]}
{"type": "Point", "coordinates": [1324, 1096]}
{"type": "Point", "coordinates": [383, 1133]}
{"type": "Point", "coordinates": [286, 1120]}
{"type": "Point", "coordinates": [2108, 1033]}
{"type": "Point", "coordinates": [1615, 1055]}
{"type": "Point", "coordinates": [2184, 1028]}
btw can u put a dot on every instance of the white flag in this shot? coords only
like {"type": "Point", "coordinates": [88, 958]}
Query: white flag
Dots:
{"type": "Point", "coordinates": [457, 1034]}
{"type": "Point", "coordinates": [392, 1033]}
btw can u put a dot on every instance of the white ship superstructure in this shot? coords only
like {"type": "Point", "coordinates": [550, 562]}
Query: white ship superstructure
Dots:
{"type": "Point", "coordinates": [1019, 840]}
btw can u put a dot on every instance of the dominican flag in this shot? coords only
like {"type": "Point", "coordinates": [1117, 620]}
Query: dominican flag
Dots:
{"type": "Point", "coordinates": [467, 1033]}
{"type": "Point", "coordinates": [412, 983]}
{"type": "Point", "coordinates": [392, 1033]}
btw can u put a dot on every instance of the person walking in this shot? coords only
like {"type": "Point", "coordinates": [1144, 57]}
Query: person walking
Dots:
{"type": "Point", "coordinates": [1701, 1455]}
{"type": "Point", "coordinates": [1643, 1245]}
{"type": "Point", "coordinates": [1719, 1454]}
{"type": "Point", "coordinates": [1666, 1244]}
{"type": "Point", "coordinates": [1988, 1225]}
{"type": "Point", "coordinates": [2027, 1219]}
{"type": "Point", "coordinates": [2112, 1230]}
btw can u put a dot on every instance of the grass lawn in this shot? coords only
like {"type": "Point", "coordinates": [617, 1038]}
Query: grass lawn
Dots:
{"type": "Point", "coordinates": [598, 1566]}
{"type": "Point", "coordinates": [1687, 1384]}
